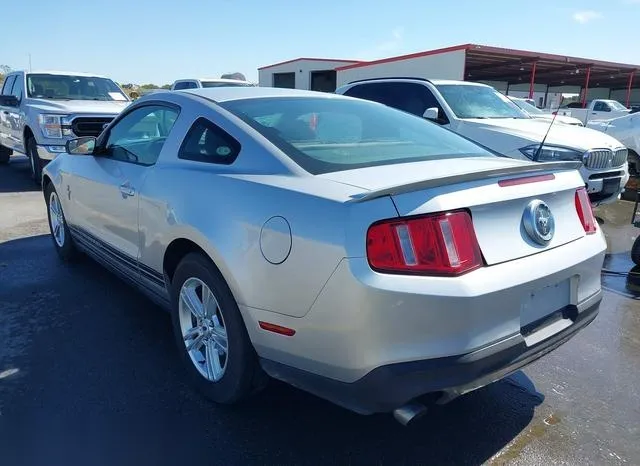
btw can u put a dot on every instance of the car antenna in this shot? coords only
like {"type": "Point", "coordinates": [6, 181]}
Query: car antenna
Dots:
{"type": "Point", "coordinates": [544, 139]}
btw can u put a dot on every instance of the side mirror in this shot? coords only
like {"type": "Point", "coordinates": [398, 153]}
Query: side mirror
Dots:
{"type": "Point", "coordinates": [431, 114]}
{"type": "Point", "coordinates": [81, 146]}
{"type": "Point", "coordinates": [9, 101]}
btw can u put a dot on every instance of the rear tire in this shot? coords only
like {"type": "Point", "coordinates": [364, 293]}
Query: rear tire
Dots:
{"type": "Point", "coordinates": [60, 233]}
{"type": "Point", "coordinates": [36, 163]}
{"type": "Point", "coordinates": [221, 362]}
{"type": "Point", "coordinates": [635, 251]}
{"type": "Point", "coordinates": [5, 154]}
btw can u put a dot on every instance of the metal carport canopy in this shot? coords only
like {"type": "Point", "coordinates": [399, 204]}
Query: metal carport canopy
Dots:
{"type": "Point", "coordinates": [485, 63]}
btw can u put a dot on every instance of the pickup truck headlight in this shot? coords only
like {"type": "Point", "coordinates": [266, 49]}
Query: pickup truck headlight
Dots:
{"type": "Point", "coordinates": [55, 126]}
{"type": "Point", "coordinates": [551, 153]}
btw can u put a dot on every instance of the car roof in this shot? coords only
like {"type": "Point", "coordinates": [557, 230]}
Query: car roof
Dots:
{"type": "Point", "coordinates": [225, 94]}
{"type": "Point", "coordinates": [217, 80]}
{"type": "Point", "coordinates": [416, 78]}
{"type": "Point", "coordinates": [66, 73]}
{"type": "Point", "coordinates": [455, 82]}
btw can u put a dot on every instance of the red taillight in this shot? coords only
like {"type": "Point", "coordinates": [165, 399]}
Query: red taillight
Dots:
{"type": "Point", "coordinates": [436, 244]}
{"type": "Point", "coordinates": [585, 213]}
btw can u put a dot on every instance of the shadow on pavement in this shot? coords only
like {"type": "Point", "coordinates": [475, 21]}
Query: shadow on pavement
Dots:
{"type": "Point", "coordinates": [95, 374]}
{"type": "Point", "coordinates": [620, 275]}
{"type": "Point", "coordinates": [16, 176]}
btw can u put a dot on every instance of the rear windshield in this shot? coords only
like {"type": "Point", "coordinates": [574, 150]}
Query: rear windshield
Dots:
{"type": "Point", "coordinates": [325, 135]}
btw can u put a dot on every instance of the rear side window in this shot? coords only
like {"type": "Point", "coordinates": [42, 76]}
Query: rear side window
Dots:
{"type": "Point", "coordinates": [185, 85]}
{"type": "Point", "coordinates": [206, 142]}
{"type": "Point", "coordinates": [335, 133]}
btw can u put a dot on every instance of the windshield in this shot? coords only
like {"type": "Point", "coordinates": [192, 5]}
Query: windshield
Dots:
{"type": "Point", "coordinates": [468, 101]}
{"type": "Point", "coordinates": [59, 87]}
{"type": "Point", "coordinates": [616, 106]}
{"type": "Point", "coordinates": [527, 107]}
{"type": "Point", "coordinates": [332, 134]}
{"type": "Point", "coordinates": [225, 84]}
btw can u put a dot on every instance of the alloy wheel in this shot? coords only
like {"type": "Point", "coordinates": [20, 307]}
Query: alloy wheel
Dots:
{"type": "Point", "coordinates": [56, 219]}
{"type": "Point", "coordinates": [203, 329]}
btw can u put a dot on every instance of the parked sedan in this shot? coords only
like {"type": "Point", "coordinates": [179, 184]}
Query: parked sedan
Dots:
{"type": "Point", "coordinates": [353, 250]}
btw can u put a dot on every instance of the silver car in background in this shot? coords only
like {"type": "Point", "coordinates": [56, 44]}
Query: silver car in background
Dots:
{"type": "Point", "coordinates": [345, 247]}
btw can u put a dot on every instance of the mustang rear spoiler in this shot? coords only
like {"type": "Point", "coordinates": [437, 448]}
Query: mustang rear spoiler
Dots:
{"type": "Point", "coordinates": [466, 177]}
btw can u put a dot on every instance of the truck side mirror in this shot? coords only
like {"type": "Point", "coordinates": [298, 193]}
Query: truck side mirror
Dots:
{"type": "Point", "coordinates": [431, 114]}
{"type": "Point", "coordinates": [9, 101]}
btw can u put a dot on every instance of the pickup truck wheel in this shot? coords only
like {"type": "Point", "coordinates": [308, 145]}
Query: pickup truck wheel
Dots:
{"type": "Point", "coordinates": [4, 154]}
{"type": "Point", "coordinates": [635, 251]}
{"type": "Point", "coordinates": [60, 233]}
{"type": "Point", "coordinates": [213, 343]}
{"type": "Point", "coordinates": [36, 163]}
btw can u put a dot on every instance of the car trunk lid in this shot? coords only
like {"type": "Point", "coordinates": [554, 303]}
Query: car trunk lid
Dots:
{"type": "Point", "coordinates": [497, 193]}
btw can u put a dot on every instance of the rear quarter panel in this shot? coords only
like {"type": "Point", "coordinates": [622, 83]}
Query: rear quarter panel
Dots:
{"type": "Point", "coordinates": [224, 213]}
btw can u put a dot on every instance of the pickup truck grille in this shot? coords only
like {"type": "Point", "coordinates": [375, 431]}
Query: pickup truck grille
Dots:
{"type": "Point", "coordinates": [89, 126]}
{"type": "Point", "coordinates": [605, 158]}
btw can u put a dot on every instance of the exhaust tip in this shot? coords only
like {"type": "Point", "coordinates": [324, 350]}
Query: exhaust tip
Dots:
{"type": "Point", "coordinates": [409, 413]}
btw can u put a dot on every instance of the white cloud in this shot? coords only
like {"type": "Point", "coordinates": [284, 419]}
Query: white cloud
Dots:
{"type": "Point", "coordinates": [386, 47]}
{"type": "Point", "coordinates": [393, 42]}
{"type": "Point", "coordinates": [584, 17]}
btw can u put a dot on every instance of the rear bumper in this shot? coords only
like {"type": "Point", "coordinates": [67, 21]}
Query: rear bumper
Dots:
{"type": "Point", "coordinates": [391, 386]}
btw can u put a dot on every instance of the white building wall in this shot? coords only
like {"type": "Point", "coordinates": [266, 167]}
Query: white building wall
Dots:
{"type": "Point", "coordinates": [302, 69]}
{"type": "Point", "coordinates": [447, 65]}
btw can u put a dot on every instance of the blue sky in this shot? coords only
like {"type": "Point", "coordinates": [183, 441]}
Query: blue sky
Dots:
{"type": "Point", "coordinates": [156, 42]}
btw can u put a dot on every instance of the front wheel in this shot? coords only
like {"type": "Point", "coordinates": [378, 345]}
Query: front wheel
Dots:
{"type": "Point", "coordinates": [58, 226]}
{"type": "Point", "coordinates": [36, 163]}
{"type": "Point", "coordinates": [5, 154]}
{"type": "Point", "coordinates": [212, 341]}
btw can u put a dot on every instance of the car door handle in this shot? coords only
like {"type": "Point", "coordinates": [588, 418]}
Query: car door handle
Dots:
{"type": "Point", "coordinates": [127, 190]}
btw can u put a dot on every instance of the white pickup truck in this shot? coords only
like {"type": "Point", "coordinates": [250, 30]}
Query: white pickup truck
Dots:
{"type": "Point", "coordinates": [484, 115]}
{"type": "Point", "coordinates": [40, 111]}
{"type": "Point", "coordinates": [597, 109]}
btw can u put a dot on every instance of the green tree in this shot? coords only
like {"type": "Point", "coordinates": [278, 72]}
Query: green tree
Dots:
{"type": "Point", "coordinates": [4, 70]}
{"type": "Point", "coordinates": [149, 86]}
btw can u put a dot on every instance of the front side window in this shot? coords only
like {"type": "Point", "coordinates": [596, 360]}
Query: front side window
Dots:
{"type": "Point", "coordinates": [140, 135]}
{"type": "Point", "coordinates": [469, 101]}
{"type": "Point", "coordinates": [332, 134]}
{"type": "Point", "coordinates": [59, 87]}
{"type": "Point", "coordinates": [410, 97]}
{"type": "Point", "coordinates": [185, 85]}
{"type": "Point", "coordinates": [225, 84]}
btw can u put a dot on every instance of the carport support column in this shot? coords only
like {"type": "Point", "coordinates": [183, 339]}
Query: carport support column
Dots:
{"type": "Point", "coordinates": [631, 76]}
{"type": "Point", "coordinates": [533, 79]}
{"type": "Point", "coordinates": [586, 87]}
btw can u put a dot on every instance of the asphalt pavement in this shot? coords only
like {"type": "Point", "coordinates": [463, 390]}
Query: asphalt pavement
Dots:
{"type": "Point", "coordinates": [89, 376]}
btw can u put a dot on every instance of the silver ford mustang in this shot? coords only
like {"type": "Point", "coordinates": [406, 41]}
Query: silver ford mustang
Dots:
{"type": "Point", "coordinates": [355, 251]}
